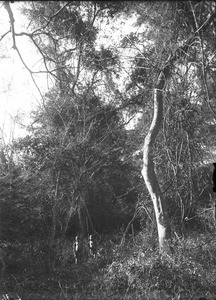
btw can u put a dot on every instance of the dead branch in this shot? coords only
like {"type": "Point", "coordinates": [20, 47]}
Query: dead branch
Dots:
{"type": "Point", "coordinates": [1, 38]}
{"type": "Point", "coordinates": [11, 17]}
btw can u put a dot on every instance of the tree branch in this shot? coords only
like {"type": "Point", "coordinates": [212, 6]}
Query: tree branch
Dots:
{"type": "Point", "coordinates": [11, 17]}
{"type": "Point", "coordinates": [1, 38]}
{"type": "Point", "coordinates": [203, 61]}
{"type": "Point", "coordinates": [50, 19]}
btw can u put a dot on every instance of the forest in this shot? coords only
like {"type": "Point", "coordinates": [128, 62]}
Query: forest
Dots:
{"type": "Point", "coordinates": [110, 195]}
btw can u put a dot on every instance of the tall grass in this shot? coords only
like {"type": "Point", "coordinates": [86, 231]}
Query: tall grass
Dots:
{"type": "Point", "coordinates": [133, 269]}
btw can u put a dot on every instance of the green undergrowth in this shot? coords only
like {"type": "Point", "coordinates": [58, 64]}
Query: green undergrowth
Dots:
{"type": "Point", "coordinates": [129, 269]}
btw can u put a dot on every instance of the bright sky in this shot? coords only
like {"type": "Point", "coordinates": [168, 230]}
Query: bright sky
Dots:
{"type": "Point", "coordinates": [18, 93]}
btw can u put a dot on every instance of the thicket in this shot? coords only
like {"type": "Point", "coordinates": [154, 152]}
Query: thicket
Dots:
{"type": "Point", "coordinates": [78, 171]}
{"type": "Point", "coordinates": [130, 270]}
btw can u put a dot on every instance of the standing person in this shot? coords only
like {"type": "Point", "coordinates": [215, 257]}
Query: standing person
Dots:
{"type": "Point", "coordinates": [92, 246]}
{"type": "Point", "coordinates": [76, 250]}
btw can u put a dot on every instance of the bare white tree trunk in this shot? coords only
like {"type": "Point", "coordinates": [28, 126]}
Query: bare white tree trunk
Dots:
{"type": "Point", "coordinates": [148, 172]}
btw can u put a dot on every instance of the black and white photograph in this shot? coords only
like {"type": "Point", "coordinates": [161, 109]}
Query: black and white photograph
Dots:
{"type": "Point", "coordinates": [108, 150]}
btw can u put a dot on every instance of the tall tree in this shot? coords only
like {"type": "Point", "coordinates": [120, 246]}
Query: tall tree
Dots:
{"type": "Point", "coordinates": [169, 38]}
{"type": "Point", "coordinates": [164, 230]}
{"type": "Point", "coordinates": [173, 31]}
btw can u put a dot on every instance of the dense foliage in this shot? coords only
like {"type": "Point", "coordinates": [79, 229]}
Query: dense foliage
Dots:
{"type": "Point", "coordinates": [78, 171]}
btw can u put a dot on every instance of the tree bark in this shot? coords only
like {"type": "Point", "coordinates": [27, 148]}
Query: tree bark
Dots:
{"type": "Point", "coordinates": [148, 172]}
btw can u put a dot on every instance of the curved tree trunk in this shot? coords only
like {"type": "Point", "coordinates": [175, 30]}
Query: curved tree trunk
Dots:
{"type": "Point", "coordinates": [148, 172]}
{"type": "Point", "coordinates": [163, 225]}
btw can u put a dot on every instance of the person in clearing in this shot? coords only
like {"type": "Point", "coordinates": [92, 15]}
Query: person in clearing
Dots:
{"type": "Point", "coordinates": [92, 247]}
{"type": "Point", "coordinates": [76, 250]}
